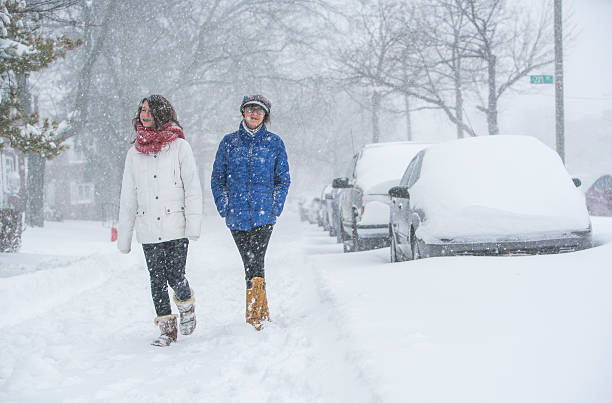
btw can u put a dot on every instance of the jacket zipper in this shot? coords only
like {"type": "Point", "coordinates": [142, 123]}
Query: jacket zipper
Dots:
{"type": "Point", "coordinates": [249, 187]}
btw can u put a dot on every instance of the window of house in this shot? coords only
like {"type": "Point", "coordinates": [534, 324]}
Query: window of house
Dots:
{"type": "Point", "coordinates": [76, 156]}
{"type": "Point", "coordinates": [10, 164]}
{"type": "Point", "coordinates": [81, 193]}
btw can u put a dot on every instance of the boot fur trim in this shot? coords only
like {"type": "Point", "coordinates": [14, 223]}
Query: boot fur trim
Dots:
{"type": "Point", "coordinates": [187, 301]}
{"type": "Point", "coordinates": [165, 317]}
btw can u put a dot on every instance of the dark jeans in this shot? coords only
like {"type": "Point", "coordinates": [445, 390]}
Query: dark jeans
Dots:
{"type": "Point", "coordinates": [252, 246]}
{"type": "Point", "coordinates": [166, 264]}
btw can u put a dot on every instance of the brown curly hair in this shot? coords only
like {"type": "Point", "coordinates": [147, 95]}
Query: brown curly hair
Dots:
{"type": "Point", "coordinates": [161, 109]}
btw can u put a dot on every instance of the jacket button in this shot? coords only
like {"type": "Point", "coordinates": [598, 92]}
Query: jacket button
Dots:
{"type": "Point", "coordinates": [158, 218]}
{"type": "Point", "coordinates": [182, 208]}
{"type": "Point", "coordinates": [168, 210]}
{"type": "Point", "coordinates": [156, 197]}
{"type": "Point", "coordinates": [155, 176]}
{"type": "Point", "coordinates": [159, 238]}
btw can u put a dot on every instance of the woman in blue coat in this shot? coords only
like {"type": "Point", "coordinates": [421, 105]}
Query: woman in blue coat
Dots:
{"type": "Point", "coordinates": [250, 180]}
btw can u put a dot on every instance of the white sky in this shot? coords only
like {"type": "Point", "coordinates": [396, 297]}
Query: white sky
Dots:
{"type": "Point", "coordinates": [530, 109]}
{"type": "Point", "coordinates": [588, 61]}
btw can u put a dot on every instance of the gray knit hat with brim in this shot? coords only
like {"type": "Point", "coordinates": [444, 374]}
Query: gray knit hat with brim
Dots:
{"type": "Point", "coordinates": [256, 100]}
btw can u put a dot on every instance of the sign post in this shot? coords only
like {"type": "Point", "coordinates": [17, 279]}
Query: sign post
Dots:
{"type": "Point", "coordinates": [559, 105]}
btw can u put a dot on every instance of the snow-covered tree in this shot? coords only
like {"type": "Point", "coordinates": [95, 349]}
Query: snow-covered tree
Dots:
{"type": "Point", "coordinates": [24, 50]}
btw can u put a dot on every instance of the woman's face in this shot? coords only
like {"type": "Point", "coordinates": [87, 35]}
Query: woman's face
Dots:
{"type": "Point", "coordinates": [145, 115]}
{"type": "Point", "coordinates": [253, 116]}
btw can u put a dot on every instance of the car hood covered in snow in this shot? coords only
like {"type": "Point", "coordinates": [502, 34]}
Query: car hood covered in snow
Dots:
{"type": "Point", "coordinates": [496, 188]}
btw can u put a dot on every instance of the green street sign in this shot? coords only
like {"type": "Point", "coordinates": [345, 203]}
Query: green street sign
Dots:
{"type": "Point", "coordinates": [541, 79]}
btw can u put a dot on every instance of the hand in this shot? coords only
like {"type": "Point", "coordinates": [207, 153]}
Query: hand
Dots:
{"type": "Point", "coordinates": [125, 251]}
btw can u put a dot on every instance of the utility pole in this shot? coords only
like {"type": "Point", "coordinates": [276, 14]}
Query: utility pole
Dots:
{"type": "Point", "coordinates": [559, 107]}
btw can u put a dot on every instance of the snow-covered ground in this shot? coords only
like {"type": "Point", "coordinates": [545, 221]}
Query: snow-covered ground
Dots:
{"type": "Point", "coordinates": [78, 319]}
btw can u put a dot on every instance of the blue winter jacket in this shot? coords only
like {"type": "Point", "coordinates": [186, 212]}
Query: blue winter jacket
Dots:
{"type": "Point", "coordinates": [250, 178]}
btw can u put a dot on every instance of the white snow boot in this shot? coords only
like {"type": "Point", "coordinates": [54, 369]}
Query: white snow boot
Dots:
{"type": "Point", "coordinates": [187, 311]}
{"type": "Point", "coordinates": [167, 326]}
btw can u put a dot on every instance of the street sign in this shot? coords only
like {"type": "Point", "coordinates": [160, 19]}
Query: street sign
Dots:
{"type": "Point", "coordinates": [541, 79]}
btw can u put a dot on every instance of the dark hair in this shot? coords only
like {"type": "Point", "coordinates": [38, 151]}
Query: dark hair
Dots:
{"type": "Point", "coordinates": [161, 109]}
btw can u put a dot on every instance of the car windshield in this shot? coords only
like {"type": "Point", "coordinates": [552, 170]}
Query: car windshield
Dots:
{"type": "Point", "coordinates": [384, 164]}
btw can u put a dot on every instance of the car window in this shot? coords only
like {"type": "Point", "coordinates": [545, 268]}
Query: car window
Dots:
{"type": "Point", "coordinates": [351, 171]}
{"type": "Point", "coordinates": [413, 171]}
{"type": "Point", "coordinates": [407, 173]}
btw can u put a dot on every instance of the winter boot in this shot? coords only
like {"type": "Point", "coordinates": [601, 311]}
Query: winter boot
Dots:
{"type": "Point", "coordinates": [187, 311]}
{"type": "Point", "coordinates": [167, 325]}
{"type": "Point", "coordinates": [256, 303]}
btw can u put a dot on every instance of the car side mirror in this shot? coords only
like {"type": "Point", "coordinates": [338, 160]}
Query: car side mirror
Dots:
{"type": "Point", "coordinates": [340, 183]}
{"type": "Point", "coordinates": [400, 192]}
{"type": "Point", "coordinates": [577, 182]}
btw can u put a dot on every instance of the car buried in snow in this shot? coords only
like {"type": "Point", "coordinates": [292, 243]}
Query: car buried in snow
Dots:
{"type": "Point", "coordinates": [490, 195]}
{"type": "Point", "coordinates": [362, 199]}
{"type": "Point", "coordinates": [599, 197]}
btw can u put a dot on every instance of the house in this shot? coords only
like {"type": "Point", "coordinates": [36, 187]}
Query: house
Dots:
{"type": "Point", "coordinates": [69, 190]}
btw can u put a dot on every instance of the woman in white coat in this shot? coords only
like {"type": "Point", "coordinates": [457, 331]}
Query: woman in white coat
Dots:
{"type": "Point", "coordinates": [161, 197]}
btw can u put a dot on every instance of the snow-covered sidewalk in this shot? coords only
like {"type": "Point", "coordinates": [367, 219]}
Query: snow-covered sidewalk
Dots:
{"type": "Point", "coordinates": [345, 327]}
{"type": "Point", "coordinates": [78, 330]}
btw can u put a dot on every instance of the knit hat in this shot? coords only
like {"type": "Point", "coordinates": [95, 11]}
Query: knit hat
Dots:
{"type": "Point", "coordinates": [256, 100]}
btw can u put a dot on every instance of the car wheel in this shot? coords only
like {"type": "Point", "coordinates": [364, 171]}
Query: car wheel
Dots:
{"type": "Point", "coordinates": [356, 245]}
{"type": "Point", "coordinates": [393, 247]}
{"type": "Point", "coordinates": [345, 239]}
{"type": "Point", "coordinates": [338, 230]}
{"type": "Point", "coordinates": [414, 246]}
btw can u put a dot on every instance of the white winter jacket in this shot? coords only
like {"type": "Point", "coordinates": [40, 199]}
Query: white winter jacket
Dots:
{"type": "Point", "coordinates": [160, 195]}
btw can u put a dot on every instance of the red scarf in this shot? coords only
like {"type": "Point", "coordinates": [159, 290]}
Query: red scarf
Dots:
{"type": "Point", "coordinates": [149, 140]}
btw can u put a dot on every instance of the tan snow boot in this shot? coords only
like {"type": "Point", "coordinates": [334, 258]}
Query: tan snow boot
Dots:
{"type": "Point", "coordinates": [167, 325]}
{"type": "Point", "coordinates": [187, 314]}
{"type": "Point", "coordinates": [256, 303]}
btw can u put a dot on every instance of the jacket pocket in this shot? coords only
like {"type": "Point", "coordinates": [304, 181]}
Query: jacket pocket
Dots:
{"type": "Point", "coordinates": [224, 206]}
{"type": "Point", "coordinates": [140, 224]}
{"type": "Point", "coordinates": [174, 218]}
{"type": "Point", "coordinates": [174, 208]}
{"type": "Point", "coordinates": [176, 178]}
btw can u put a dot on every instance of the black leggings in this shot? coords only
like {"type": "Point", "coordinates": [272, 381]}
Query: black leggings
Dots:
{"type": "Point", "coordinates": [166, 264]}
{"type": "Point", "coordinates": [252, 246]}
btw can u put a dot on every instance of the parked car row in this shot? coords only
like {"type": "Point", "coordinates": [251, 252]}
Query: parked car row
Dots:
{"type": "Point", "coordinates": [490, 195]}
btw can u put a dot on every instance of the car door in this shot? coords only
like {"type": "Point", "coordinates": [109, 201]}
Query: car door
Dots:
{"type": "Point", "coordinates": [402, 215]}
{"type": "Point", "coordinates": [345, 195]}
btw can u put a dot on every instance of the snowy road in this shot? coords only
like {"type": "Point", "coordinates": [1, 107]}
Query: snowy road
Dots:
{"type": "Point", "coordinates": [346, 327]}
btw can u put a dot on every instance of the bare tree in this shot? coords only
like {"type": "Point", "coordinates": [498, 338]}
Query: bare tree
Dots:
{"type": "Point", "coordinates": [445, 36]}
{"type": "Point", "coordinates": [370, 56]}
{"type": "Point", "coordinates": [510, 43]}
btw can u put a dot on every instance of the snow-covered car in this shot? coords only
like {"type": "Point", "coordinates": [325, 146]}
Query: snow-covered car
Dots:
{"type": "Point", "coordinates": [363, 202]}
{"type": "Point", "coordinates": [332, 214]}
{"type": "Point", "coordinates": [599, 196]}
{"type": "Point", "coordinates": [313, 207]}
{"type": "Point", "coordinates": [325, 200]}
{"type": "Point", "coordinates": [487, 195]}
